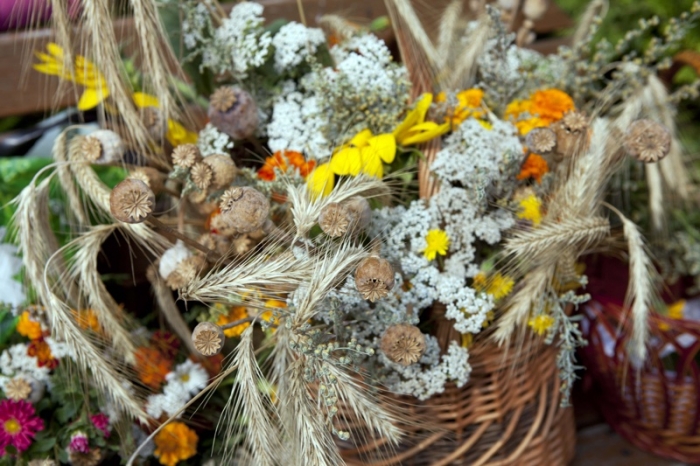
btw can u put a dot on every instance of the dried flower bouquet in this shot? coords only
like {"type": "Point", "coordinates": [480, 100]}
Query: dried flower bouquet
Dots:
{"type": "Point", "coordinates": [334, 203]}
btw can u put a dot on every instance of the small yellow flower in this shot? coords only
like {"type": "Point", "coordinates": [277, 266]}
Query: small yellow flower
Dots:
{"type": "Point", "coordinates": [674, 311]}
{"type": "Point", "coordinates": [467, 340]}
{"type": "Point", "coordinates": [268, 316]}
{"type": "Point", "coordinates": [364, 154]}
{"type": "Point", "coordinates": [500, 286]}
{"type": "Point", "coordinates": [437, 242]}
{"type": "Point", "coordinates": [234, 314]}
{"type": "Point", "coordinates": [468, 105]}
{"type": "Point", "coordinates": [480, 282]}
{"type": "Point", "coordinates": [541, 323]}
{"type": "Point", "coordinates": [320, 182]}
{"type": "Point", "coordinates": [530, 209]}
{"type": "Point", "coordinates": [414, 129]}
{"type": "Point", "coordinates": [177, 134]}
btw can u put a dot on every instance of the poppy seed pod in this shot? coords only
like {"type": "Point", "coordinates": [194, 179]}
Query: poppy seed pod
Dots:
{"type": "Point", "coordinates": [573, 135]}
{"type": "Point", "coordinates": [244, 209]}
{"type": "Point", "coordinates": [131, 201]}
{"type": "Point", "coordinates": [360, 213]}
{"type": "Point", "coordinates": [233, 111]}
{"type": "Point", "coordinates": [334, 219]}
{"type": "Point", "coordinates": [541, 140]}
{"type": "Point", "coordinates": [223, 170]}
{"type": "Point", "coordinates": [102, 147]}
{"type": "Point", "coordinates": [152, 177]}
{"type": "Point", "coordinates": [201, 175]}
{"type": "Point", "coordinates": [208, 338]}
{"type": "Point", "coordinates": [647, 141]}
{"type": "Point", "coordinates": [186, 155]}
{"type": "Point", "coordinates": [403, 344]}
{"type": "Point", "coordinates": [374, 278]}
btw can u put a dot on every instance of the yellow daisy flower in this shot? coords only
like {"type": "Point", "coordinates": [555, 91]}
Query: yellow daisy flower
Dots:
{"type": "Point", "coordinates": [530, 209]}
{"type": "Point", "coordinates": [437, 242]}
{"type": "Point", "coordinates": [541, 323]}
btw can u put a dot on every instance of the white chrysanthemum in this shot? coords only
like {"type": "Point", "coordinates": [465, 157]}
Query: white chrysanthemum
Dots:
{"type": "Point", "coordinates": [188, 377]}
{"type": "Point", "coordinates": [294, 43]}
{"type": "Point", "coordinates": [171, 259]}
{"type": "Point", "coordinates": [168, 403]}
{"type": "Point", "coordinates": [212, 141]}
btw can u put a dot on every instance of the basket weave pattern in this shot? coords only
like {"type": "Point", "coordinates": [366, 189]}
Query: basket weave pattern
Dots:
{"type": "Point", "coordinates": [657, 408]}
{"type": "Point", "coordinates": [508, 414]}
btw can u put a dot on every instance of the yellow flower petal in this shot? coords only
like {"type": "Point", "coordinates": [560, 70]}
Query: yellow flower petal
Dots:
{"type": "Point", "coordinates": [321, 180]}
{"type": "Point", "coordinates": [426, 136]}
{"type": "Point", "coordinates": [371, 162]}
{"type": "Point", "coordinates": [346, 162]}
{"type": "Point", "coordinates": [178, 134]}
{"type": "Point", "coordinates": [51, 69]}
{"type": "Point", "coordinates": [55, 50]}
{"type": "Point", "coordinates": [361, 138]}
{"type": "Point", "coordinates": [142, 100]}
{"type": "Point", "coordinates": [414, 117]}
{"type": "Point", "coordinates": [91, 98]}
{"type": "Point", "coordinates": [383, 146]}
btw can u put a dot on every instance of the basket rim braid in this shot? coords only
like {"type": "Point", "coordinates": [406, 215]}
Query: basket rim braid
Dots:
{"type": "Point", "coordinates": [656, 408]}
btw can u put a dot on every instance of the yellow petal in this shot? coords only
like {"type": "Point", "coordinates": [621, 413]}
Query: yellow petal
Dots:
{"type": "Point", "coordinates": [371, 163]}
{"type": "Point", "coordinates": [383, 146]}
{"type": "Point", "coordinates": [49, 68]}
{"type": "Point", "coordinates": [415, 116]}
{"type": "Point", "coordinates": [426, 126]}
{"type": "Point", "coordinates": [142, 100]}
{"type": "Point", "coordinates": [426, 135]}
{"type": "Point", "coordinates": [91, 98]}
{"type": "Point", "coordinates": [321, 181]}
{"type": "Point", "coordinates": [178, 134]}
{"type": "Point", "coordinates": [346, 162]}
{"type": "Point", "coordinates": [361, 138]}
{"type": "Point", "coordinates": [55, 50]}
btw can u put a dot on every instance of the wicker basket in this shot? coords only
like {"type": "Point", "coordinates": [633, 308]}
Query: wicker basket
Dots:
{"type": "Point", "coordinates": [658, 407]}
{"type": "Point", "coordinates": [508, 414]}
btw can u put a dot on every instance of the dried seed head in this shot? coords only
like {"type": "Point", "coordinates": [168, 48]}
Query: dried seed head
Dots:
{"type": "Point", "coordinates": [208, 338]}
{"type": "Point", "coordinates": [131, 201]}
{"type": "Point", "coordinates": [18, 389]}
{"type": "Point", "coordinates": [186, 155]}
{"type": "Point", "coordinates": [201, 175]}
{"type": "Point", "coordinates": [223, 169]}
{"type": "Point", "coordinates": [541, 140]}
{"type": "Point", "coordinates": [102, 147]}
{"type": "Point", "coordinates": [152, 177]}
{"type": "Point", "coordinates": [374, 278]}
{"type": "Point", "coordinates": [171, 259]}
{"type": "Point", "coordinates": [153, 121]}
{"type": "Point", "coordinates": [334, 219]}
{"type": "Point", "coordinates": [240, 118]}
{"type": "Point", "coordinates": [575, 122]}
{"type": "Point", "coordinates": [92, 458]}
{"type": "Point", "coordinates": [360, 213]}
{"type": "Point", "coordinates": [242, 245]}
{"type": "Point", "coordinates": [223, 98]}
{"type": "Point", "coordinates": [185, 272]}
{"type": "Point", "coordinates": [534, 9]}
{"type": "Point", "coordinates": [403, 344]}
{"type": "Point", "coordinates": [647, 141]}
{"type": "Point", "coordinates": [207, 240]}
{"type": "Point", "coordinates": [573, 136]}
{"type": "Point", "coordinates": [244, 209]}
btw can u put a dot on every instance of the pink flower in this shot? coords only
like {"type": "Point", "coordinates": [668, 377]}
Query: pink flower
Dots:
{"type": "Point", "coordinates": [101, 422]}
{"type": "Point", "coordinates": [79, 443]}
{"type": "Point", "coordinates": [18, 424]}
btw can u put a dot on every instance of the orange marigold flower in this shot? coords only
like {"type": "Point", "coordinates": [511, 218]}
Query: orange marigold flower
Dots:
{"type": "Point", "coordinates": [234, 314]}
{"type": "Point", "coordinates": [42, 352]}
{"type": "Point", "coordinates": [152, 366]}
{"type": "Point", "coordinates": [87, 320]}
{"type": "Point", "coordinates": [175, 443]}
{"type": "Point", "coordinates": [534, 167]}
{"type": "Point", "coordinates": [283, 160]}
{"type": "Point", "coordinates": [551, 104]}
{"type": "Point", "coordinates": [29, 328]}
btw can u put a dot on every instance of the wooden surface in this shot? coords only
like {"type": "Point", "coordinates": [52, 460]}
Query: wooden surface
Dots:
{"type": "Point", "coordinates": [24, 91]}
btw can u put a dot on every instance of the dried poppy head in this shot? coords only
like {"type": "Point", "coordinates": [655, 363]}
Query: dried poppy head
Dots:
{"type": "Point", "coordinates": [360, 213]}
{"type": "Point", "coordinates": [573, 135]}
{"type": "Point", "coordinates": [374, 278]}
{"type": "Point", "coordinates": [18, 389]}
{"type": "Point", "coordinates": [186, 155]}
{"type": "Point", "coordinates": [201, 175]}
{"type": "Point", "coordinates": [244, 209]}
{"type": "Point", "coordinates": [208, 338]}
{"type": "Point", "coordinates": [403, 344]}
{"type": "Point", "coordinates": [541, 140]}
{"type": "Point", "coordinates": [223, 170]}
{"type": "Point", "coordinates": [152, 177]}
{"type": "Point", "coordinates": [647, 141]}
{"type": "Point", "coordinates": [185, 272]}
{"type": "Point", "coordinates": [334, 219]}
{"type": "Point", "coordinates": [102, 147]}
{"type": "Point", "coordinates": [131, 201]}
{"type": "Point", "coordinates": [233, 111]}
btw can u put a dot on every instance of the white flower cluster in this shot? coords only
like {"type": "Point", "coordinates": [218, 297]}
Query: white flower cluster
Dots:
{"type": "Point", "coordinates": [365, 62]}
{"type": "Point", "coordinates": [423, 383]}
{"type": "Point", "coordinates": [297, 123]}
{"type": "Point", "coordinates": [294, 43]}
{"type": "Point", "coordinates": [195, 24]}
{"type": "Point", "coordinates": [10, 289]}
{"type": "Point", "coordinates": [212, 141]}
{"type": "Point", "coordinates": [182, 384]}
{"type": "Point", "coordinates": [15, 362]}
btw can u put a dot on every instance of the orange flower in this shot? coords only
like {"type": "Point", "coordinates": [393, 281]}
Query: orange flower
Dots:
{"type": "Point", "coordinates": [268, 315]}
{"type": "Point", "coordinates": [234, 314]}
{"type": "Point", "coordinates": [534, 167]}
{"type": "Point", "coordinates": [468, 105]}
{"type": "Point", "coordinates": [28, 328]}
{"type": "Point", "coordinates": [551, 104]}
{"type": "Point", "coordinates": [282, 160]}
{"type": "Point", "coordinates": [175, 443]}
{"type": "Point", "coordinates": [42, 352]}
{"type": "Point", "coordinates": [152, 366]}
{"type": "Point", "coordinates": [87, 320]}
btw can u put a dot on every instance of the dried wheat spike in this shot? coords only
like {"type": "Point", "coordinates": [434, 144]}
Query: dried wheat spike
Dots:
{"type": "Point", "coordinates": [208, 338]}
{"type": "Point", "coordinates": [647, 141]}
{"type": "Point", "coordinates": [403, 344]}
{"type": "Point", "coordinates": [374, 278]}
{"type": "Point", "coordinates": [131, 201]}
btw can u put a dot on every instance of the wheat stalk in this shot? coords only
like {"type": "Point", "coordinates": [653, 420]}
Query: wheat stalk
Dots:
{"type": "Point", "coordinates": [582, 35]}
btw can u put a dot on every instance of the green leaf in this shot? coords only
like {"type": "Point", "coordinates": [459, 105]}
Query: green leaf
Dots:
{"type": "Point", "coordinates": [68, 411]}
{"type": "Point", "coordinates": [8, 323]}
